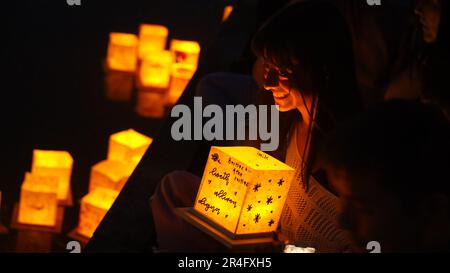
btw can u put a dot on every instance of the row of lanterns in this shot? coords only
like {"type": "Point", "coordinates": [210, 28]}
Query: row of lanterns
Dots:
{"type": "Point", "coordinates": [46, 189]}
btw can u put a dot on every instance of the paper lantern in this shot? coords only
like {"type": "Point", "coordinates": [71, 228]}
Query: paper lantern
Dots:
{"type": "Point", "coordinates": [109, 174]}
{"type": "Point", "coordinates": [38, 200]}
{"type": "Point", "coordinates": [180, 79]}
{"type": "Point", "coordinates": [155, 71]}
{"type": "Point", "coordinates": [122, 52]}
{"type": "Point", "coordinates": [93, 208]}
{"type": "Point", "coordinates": [152, 38]}
{"type": "Point", "coordinates": [54, 163]}
{"type": "Point", "coordinates": [243, 190]}
{"type": "Point", "coordinates": [186, 54]}
{"type": "Point", "coordinates": [226, 12]}
{"type": "Point", "coordinates": [125, 145]}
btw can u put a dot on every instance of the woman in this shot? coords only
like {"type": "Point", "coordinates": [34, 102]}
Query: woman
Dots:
{"type": "Point", "coordinates": [308, 67]}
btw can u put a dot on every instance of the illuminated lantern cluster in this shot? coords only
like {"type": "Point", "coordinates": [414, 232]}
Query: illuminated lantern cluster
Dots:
{"type": "Point", "coordinates": [161, 75]}
{"type": "Point", "coordinates": [38, 200]}
{"type": "Point", "coordinates": [108, 177]}
{"type": "Point", "coordinates": [93, 208]}
{"type": "Point", "coordinates": [243, 190]}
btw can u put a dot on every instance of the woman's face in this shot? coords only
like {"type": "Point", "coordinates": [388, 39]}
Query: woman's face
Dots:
{"type": "Point", "coordinates": [280, 82]}
{"type": "Point", "coordinates": [429, 13]}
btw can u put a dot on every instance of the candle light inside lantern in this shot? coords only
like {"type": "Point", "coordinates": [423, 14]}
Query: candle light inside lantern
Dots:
{"type": "Point", "coordinates": [93, 208]}
{"type": "Point", "coordinates": [38, 200]}
{"type": "Point", "coordinates": [243, 190]}
{"type": "Point", "coordinates": [122, 52]}
{"type": "Point", "coordinates": [126, 145]}
{"type": "Point", "coordinates": [109, 174]}
{"type": "Point", "coordinates": [54, 163]}
{"type": "Point", "coordinates": [152, 38]}
{"type": "Point", "coordinates": [155, 70]}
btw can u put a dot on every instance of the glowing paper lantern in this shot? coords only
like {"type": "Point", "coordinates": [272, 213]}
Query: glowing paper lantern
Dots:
{"type": "Point", "coordinates": [152, 38]}
{"type": "Point", "coordinates": [122, 52]}
{"type": "Point", "coordinates": [38, 200]}
{"type": "Point", "coordinates": [109, 174]}
{"type": "Point", "coordinates": [186, 54]}
{"type": "Point", "coordinates": [180, 79]}
{"type": "Point", "coordinates": [125, 145]}
{"type": "Point", "coordinates": [226, 12]}
{"type": "Point", "coordinates": [155, 71]}
{"type": "Point", "coordinates": [93, 208]}
{"type": "Point", "coordinates": [243, 190]}
{"type": "Point", "coordinates": [54, 163]}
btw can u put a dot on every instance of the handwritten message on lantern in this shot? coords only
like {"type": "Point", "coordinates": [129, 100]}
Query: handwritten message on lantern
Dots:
{"type": "Point", "coordinates": [243, 189]}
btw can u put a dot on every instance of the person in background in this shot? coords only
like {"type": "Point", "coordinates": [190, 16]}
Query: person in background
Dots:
{"type": "Point", "coordinates": [390, 170]}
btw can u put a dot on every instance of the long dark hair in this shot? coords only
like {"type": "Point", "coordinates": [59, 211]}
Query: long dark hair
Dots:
{"type": "Point", "coordinates": [312, 39]}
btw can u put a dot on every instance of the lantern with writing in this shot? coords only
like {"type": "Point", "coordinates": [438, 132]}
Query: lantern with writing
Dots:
{"type": "Point", "coordinates": [122, 52]}
{"type": "Point", "coordinates": [152, 38]}
{"type": "Point", "coordinates": [38, 200]}
{"type": "Point", "coordinates": [57, 164]}
{"type": "Point", "coordinates": [127, 146]}
{"type": "Point", "coordinates": [109, 174]}
{"type": "Point", "coordinates": [93, 208]}
{"type": "Point", "coordinates": [243, 190]}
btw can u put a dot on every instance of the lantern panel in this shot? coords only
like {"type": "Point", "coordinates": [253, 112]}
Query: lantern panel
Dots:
{"type": "Point", "coordinates": [125, 145]}
{"type": "Point", "coordinates": [155, 70]}
{"type": "Point", "coordinates": [186, 54]}
{"type": "Point", "coordinates": [94, 207]}
{"type": "Point", "coordinates": [109, 174]}
{"type": "Point", "coordinates": [243, 189]}
{"type": "Point", "coordinates": [152, 38]}
{"type": "Point", "coordinates": [180, 79]}
{"type": "Point", "coordinates": [122, 52]}
{"type": "Point", "coordinates": [38, 200]}
{"type": "Point", "coordinates": [54, 163]}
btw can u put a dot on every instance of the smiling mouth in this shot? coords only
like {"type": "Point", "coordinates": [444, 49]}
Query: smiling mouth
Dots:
{"type": "Point", "coordinates": [280, 97]}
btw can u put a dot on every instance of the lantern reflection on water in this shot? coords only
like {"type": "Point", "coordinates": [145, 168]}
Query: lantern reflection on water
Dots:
{"type": "Point", "coordinates": [93, 208]}
{"type": "Point", "coordinates": [54, 163]}
{"type": "Point", "coordinates": [243, 190]}
{"type": "Point", "coordinates": [38, 200]}
{"type": "Point", "coordinates": [122, 52]}
{"type": "Point", "coordinates": [152, 38]}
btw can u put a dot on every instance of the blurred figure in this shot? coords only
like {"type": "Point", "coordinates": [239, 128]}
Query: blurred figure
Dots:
{"type": "Point", "coordinates": [390, 170]}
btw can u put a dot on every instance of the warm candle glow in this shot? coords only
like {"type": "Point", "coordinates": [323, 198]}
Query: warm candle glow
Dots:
{"type": "Point", "coordinates": [226, 12]}
{"type": "Point", "coordinates": [125, 145]}
{"type": "Point", "coordinates": [122, 52]}
{"type": "Point", "coordinates": [152, 38]}
{"type": "Point", "coordinates": [54, 163]}
{"type": "Point", "coordinates": [243, 189]}
{"type": "Point", "coordinates": [155, 70]}
{"type": "Point", "coordinates": [109, 174]}
{"type": "Point", "coordinates": [38, 200]}
{"type": "Point", "coordinates": [186, 54]}
{"type": "Point", "coordinates": [93, 208]}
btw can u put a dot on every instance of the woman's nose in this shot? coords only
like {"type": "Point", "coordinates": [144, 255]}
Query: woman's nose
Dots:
{"type": "Point", "coordinates": [271, 81]}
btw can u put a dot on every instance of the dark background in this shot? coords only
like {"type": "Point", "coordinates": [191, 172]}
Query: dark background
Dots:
{"type": "Point", "coordinates": [52, 94]}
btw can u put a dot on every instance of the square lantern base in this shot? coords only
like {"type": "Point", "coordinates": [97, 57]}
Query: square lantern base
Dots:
{"type": "Point", "coordinates": [52, 229]}
{"type": "Point", "coordinates": [83, 240]}
{"type": "Point", "coordinates": [68, 202]}
{"type": "Point", "coordinates": [249, 242]}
